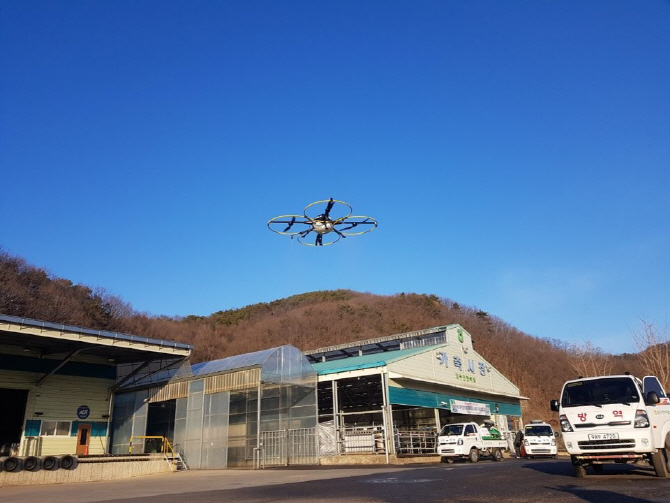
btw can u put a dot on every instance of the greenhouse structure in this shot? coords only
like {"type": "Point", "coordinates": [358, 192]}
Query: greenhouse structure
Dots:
{"type": "Point", "coordinates": [255, 409]}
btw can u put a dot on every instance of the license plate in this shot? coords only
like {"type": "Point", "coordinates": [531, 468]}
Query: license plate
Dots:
{"type": "Point", "coordinates": [603, 436]}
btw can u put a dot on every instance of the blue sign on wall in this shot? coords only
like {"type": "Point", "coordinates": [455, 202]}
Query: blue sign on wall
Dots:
{"type": "Point", "coordinates": [83, 411]}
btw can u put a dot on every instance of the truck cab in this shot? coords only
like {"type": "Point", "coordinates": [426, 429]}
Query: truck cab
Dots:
{"type": "Point", "coordinates": [539, 439]}
{"type": "Point", "coordinates": [615, 419]}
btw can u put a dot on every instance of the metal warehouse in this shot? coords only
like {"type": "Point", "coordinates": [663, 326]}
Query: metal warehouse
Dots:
{"type": "Point", "coordinates": [57, 384]}
{"type": "Point", "coordinates": [391, 395]}
{"type": "Point", "coordinates": [69, 390]}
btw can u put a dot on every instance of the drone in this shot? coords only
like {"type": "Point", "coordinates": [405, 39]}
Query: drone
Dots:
{"type": "Point", "coordinates": [328, 229]}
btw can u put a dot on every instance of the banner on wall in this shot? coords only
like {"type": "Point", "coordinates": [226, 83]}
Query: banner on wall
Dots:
{"type": "Point", "coordinates": [474, 408]}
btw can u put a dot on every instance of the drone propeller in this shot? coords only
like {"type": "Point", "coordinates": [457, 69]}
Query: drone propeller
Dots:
{"type": "Point", "coordinates": [326, 215]}
{"type": "Point", "coordinates": [290, 224]}
{"type": "Point", "coordinates": [368, 224]}
{"type": "Point", "coordinates": [354, 224]}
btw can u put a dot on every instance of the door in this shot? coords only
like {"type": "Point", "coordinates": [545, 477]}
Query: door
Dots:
{"type": "Point", "coordinates": [83, 439]}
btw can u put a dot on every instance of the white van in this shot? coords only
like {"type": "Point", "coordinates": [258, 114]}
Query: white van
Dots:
{"type": "Point", "coordinates": [539, 439]}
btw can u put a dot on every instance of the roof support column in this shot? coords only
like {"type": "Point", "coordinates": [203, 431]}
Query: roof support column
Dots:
{"type": "Point", "coordinates": [386, 416]}
{"type": "Point", "coordinates": [336, 419]}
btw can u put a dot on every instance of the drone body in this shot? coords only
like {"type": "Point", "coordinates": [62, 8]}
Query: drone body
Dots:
{"type": "Point", "coordinates": [329, 229]}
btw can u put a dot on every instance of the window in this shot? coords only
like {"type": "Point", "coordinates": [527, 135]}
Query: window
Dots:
{"type": "Point", "coordinates": [651, 384]}
{"type": "Point", "coordinates": [52, 428]}
{"type": "Point", "coordinates": [600, 391]}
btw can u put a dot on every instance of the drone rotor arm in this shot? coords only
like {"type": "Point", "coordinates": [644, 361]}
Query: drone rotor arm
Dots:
{"type": "Point", "coordinates": [287, 224]}
{"type": "Point", "coordinates": [352, 223]}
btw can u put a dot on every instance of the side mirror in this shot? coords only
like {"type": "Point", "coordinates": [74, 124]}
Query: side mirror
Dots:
{"type": "Point", "coordinates": [554, 405]}
{"type": "Point", "coordinates": [652, 398]}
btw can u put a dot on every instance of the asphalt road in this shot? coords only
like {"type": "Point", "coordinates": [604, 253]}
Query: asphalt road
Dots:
{"type": "Point", "coordinates": [511, 480]}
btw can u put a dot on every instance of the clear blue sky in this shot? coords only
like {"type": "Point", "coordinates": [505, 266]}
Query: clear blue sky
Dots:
{"type": "Point", "coordinates": [516, 154]}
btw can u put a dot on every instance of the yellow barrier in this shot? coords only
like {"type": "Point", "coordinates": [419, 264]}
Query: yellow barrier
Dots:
{"type": "Point", "coordinates": [165, 446]}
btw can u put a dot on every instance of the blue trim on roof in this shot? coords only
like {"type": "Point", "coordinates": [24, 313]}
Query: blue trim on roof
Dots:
{"type": "Point", "coordinates": [98, 333]}
{"type": "Point", "coordinates": [367, 361]}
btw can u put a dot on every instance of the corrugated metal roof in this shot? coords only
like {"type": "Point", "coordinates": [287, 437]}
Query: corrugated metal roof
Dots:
{"type": "Point", "coordinates": [97, 333]}
{"type": "Point", "coordinates": [396, 337]}
{"type": "Point", "coordinates": [366, 361]}
{"type": "Point", "coordinates": [255, 359]}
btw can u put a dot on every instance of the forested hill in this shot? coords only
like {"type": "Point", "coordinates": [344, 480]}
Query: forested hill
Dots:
{"type": "Point", "coordinates": [309, 320]}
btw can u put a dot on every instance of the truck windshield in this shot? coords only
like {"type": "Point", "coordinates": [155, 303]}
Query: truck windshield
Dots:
{"type": "Point", "coordinates": [539, 431]}
{"type": "Point", "coordinates": [599, 392]}
{"type": "Point", "coordinates": [452, 429]}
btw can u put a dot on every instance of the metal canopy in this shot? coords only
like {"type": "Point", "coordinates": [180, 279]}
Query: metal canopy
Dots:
{"type": "Point", "coordinates": [40, 339]}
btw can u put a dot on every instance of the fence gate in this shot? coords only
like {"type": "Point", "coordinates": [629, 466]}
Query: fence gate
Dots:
{"type": "Point", "coordinates": [287, 447]}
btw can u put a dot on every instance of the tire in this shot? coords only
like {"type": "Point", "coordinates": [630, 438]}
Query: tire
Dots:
{"type": "Point", "coordinates": [443, 459]}
{"type": "Point", "coordinates": [598, 469]}
{"type": "Point", "coordinates": [578, 468]}
{"type": "Point", "coordinates": [50, 463]}
{"type": "Point", "coordinates": [32, 464]}
{"type": "Point", "coordinates": [497, 455]}
{"type": "Point", "coordinates": [659, 460]}
{"type": "Point", "coordinates": [69, 462]}
{"type": "Point", "coordinates": [474, 455]}
{"type": "Point", "coordinates": [13, 464]}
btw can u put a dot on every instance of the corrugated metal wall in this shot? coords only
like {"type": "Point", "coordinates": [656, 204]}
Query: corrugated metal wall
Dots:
{"type": "Point", "coordinates": [242, 379]}
{"type": "Point", "coordinates": [231, 381]}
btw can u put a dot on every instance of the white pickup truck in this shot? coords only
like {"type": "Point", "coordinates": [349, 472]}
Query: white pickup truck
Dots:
{"type": "Point", "coordinates": [468, 440]}
{"type": "Point", "coordinates": [615, 419]}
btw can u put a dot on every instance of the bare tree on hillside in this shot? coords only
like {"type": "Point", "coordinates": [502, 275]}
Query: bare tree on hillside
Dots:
{"type": "Point", "coordinates": [588, 360]}
{"type": "Point", "coordinates": [653, 345]}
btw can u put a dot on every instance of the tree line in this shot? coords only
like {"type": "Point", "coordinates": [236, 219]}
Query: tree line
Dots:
{"type": "Point", "coordinates": [315, 319]}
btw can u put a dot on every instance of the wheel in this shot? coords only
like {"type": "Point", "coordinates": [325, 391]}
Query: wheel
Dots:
{"type": "Point", "coordinates": [598, 468]}
{"type": "Point", "coordinates": [50, 463]}
{"type": "Point", "coordinates": [474, 455]}
{"type": "Point", "coordinates": [32, 464]}
{"type": "Point", "coordinates": [13, 464]}
{"type": "Point", "coordinates": [580, 471]}
{"type": "Point", "coordinates": [659, 460]}
{"type": "Point", "coordinates": [497, 455]}
{"type": "Point", "coordinates": [68, 462]}
{"type": "Point", "coordinates": [443, 459]}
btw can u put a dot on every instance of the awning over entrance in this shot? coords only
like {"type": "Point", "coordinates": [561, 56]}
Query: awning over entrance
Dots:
{"type": "Point", "coordinates": [454, 403]}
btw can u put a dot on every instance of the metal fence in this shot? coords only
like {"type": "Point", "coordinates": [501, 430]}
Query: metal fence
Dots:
{"type": "Point", "coordinates": [415, 442]}
{"type": "Point", "coordinates": [297, 446]}
{"type": "Point", "coordinates": [362, 440]}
